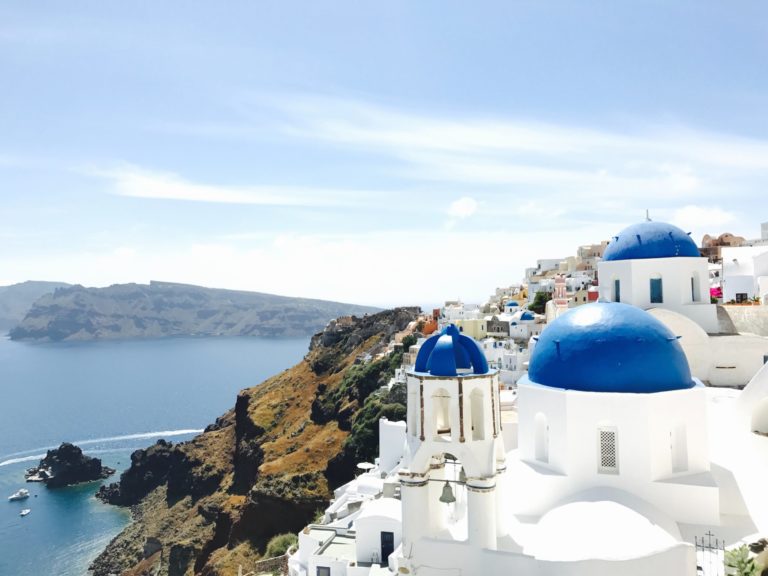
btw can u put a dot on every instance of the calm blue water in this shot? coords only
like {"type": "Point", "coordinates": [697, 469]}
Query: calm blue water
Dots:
{"type": "Point", "coordinates": [110, 398]}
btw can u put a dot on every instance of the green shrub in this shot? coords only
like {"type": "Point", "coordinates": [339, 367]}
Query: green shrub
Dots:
{"type": "Point", "coordinates": [540, 302]}
{"type": "Point", "coordinates": [740, 563]}
{"type": "Point", "coordinates": [279, 544]}
{"type": "Point", "coordinates": [409, 341]}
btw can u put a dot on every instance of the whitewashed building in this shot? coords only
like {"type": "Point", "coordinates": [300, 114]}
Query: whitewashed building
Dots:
{"type": "Point", "coordinates": [745, 273]}
{"type": "Point", "coordinates": [616, 462]}
{"type": "Point", "coordinates": [657, 265]}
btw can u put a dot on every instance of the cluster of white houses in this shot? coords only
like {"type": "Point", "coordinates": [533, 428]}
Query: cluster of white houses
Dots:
{"type": "Point", "coordinates": [609, 455]}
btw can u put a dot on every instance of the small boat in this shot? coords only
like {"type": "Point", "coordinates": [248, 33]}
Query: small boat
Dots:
{"type": "Point", "coordinates": [25, 512]}
{"type": "Point", "coordinates": [20, 495]}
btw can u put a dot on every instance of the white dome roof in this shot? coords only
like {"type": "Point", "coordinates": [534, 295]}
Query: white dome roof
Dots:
{"type": "Point", "coordinates": [596, 530]}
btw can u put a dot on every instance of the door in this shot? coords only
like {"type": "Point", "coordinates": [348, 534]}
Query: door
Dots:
{"type": "Point", "coordinates": [387, 546]}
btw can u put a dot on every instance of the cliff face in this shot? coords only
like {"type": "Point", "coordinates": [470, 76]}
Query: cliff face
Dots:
{"type": "Point", "coordinates": [265, 467]}
{"type": "Point", "coordinates": [164, 309]}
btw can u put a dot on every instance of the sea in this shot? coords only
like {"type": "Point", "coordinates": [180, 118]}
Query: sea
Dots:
{"type": "Point", "coordinates": [109, 398]}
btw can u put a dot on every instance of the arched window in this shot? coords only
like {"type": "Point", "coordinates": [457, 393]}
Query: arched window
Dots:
{"type": "Point", "coordinates": [541, 436]}
{"type": "Point", "coordinates": [657, 291]}
{"type": "Point", "coordinates": [608, 450]}
{"type": "Point", "coordinates": [695, 292]}
{"type": "Point", "coordinates": [477, 409]}
{"type": "Point", "coordinates": [441, 414]}
{"type": "Point", "coordinates": [679, 443]}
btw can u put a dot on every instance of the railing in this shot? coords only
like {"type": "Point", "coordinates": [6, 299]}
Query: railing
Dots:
{"type": "Point", "coordinates": [710, 555]}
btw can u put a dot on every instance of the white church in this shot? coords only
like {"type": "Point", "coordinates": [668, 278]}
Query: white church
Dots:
{"type": "Point", "coordinates": [657, 267]}
{"type": "Point", "coordinates": [611, 459]}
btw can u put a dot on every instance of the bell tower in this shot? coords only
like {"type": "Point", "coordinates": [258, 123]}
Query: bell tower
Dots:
{"type": "Point", "coordinates": [454, 443]}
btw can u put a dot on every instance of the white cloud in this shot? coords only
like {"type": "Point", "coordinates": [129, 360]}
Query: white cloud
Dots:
{"type": "Point", "coordinates": [554, 161]}
{"type": "Point", "coordinates": [366, 268]}
{"type": "Point", "coordinates": [700, 220]}
{"type": "Point", "coordinates": [462, 208]}
{"type": "Point", "coordinates": [136, 182]}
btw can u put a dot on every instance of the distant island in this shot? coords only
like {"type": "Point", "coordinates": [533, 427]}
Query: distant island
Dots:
{"type": "Point", "coordinates": [164, 309]}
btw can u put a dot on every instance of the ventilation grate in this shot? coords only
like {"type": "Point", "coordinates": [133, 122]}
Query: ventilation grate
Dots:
{"type": "Point", "coordinates": [608, 453]}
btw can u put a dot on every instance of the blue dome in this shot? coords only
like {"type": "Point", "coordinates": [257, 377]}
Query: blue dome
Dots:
{"type": "Point", "coordinates": [609, 347]}
{"type": "Point", "coordinates": [650, 240]}
{"type": "Point", "coordinates": [527, 316]}
{"type": "Point", "coordinates": [511, 304]}
{"type": "Point", "coordinates": [449, 351]}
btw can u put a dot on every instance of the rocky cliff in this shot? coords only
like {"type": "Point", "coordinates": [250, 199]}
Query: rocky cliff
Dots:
{"type": "Point", "coordinates": [266, 466]}
{"type": "Point", "coordinates": [165, 309]}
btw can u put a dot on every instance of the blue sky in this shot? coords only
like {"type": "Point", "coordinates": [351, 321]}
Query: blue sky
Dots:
{"type": "Point", "coordinates": [382, 153]}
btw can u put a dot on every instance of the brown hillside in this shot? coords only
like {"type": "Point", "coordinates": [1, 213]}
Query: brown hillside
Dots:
{"type": "Point", "coordinates": [265, 467]}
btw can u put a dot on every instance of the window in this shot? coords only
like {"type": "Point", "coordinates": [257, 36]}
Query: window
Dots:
{"type": "Point", "coordinates": [608, 451]}
{"type": "Point", "coordinates": [656, 291]}
{"type": "Point", "coordinates": [323, 571]}
{"type": "Point", "coordinates": [617, 290]}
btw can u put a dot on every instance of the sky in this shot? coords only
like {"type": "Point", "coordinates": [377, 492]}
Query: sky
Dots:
{"type": "Point", "coordinates": [383, 153]}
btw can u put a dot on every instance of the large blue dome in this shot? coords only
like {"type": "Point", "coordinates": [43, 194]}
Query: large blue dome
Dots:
{"type": "Point", "coordinates": [650, 240]}
{"type": "Point", "coordinates": [609, 347]}
{"type": "Point", "coordinates": [446, 353]}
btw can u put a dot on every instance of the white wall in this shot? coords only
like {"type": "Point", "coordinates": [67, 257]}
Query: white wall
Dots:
{"type": "Point", "coordinates": [338, 567]}
{"type": "Point", "coordinates": [676, 274]}
{"type": "Point", "coordinates": [741, 267]}
{"type": "Point", "coordinates": [736, 359]}
{"type": "Point", "coordinates": [644, 424]}
{"type": "Point", "coordinates": [440, 558]}
{"type": "Point", "coordinates": [368, 537]}
{"type": "Point", "coordinates": [391, 442]}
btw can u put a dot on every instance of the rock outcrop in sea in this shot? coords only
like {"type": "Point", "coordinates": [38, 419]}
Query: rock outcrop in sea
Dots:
{"type": "Point", "coordinates": [66, 466]}
{"type": "Point", "coordinates": [267, 466]}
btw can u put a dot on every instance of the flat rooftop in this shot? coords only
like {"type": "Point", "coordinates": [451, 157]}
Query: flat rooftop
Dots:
{"type": "Point", "coordinates": [341, 548]}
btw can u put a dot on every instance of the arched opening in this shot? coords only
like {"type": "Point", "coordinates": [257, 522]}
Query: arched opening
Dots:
{"type": "Point", "coordinates": [679, 443]}
{"type": "Point", "coordinates": [760, 417]}
{"type": "Point", "coordinates": [695, 288]}
{"type": "Point", "coordinates": [657, 290]}
{"type": "Point", "coordinates": [441, 414]}
{"type": "Point", "coordinates": [541, 438]}
{"type": "Point", "coordinates": [477, 409]}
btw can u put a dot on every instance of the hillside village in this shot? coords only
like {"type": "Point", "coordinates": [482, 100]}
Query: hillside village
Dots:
{"type": "Point", "coordinates": [609, 413]}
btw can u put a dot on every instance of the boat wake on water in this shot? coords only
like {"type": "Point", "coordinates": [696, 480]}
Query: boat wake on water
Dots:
{"type": "Point", "coordinates": [35, 453]}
